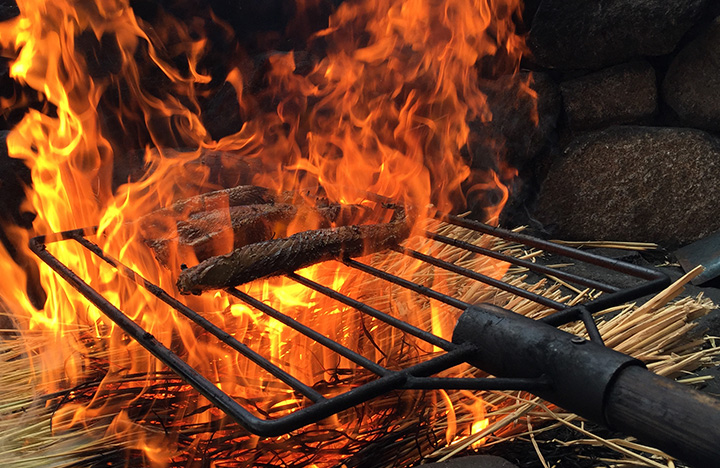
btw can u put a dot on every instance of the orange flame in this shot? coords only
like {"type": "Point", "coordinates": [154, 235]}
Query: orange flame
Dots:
{"type": "Point", "coordinates": [384, 110]}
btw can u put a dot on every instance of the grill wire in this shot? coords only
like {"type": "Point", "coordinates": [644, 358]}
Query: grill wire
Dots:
{"type": "Point", "coordinates": [413, 377]}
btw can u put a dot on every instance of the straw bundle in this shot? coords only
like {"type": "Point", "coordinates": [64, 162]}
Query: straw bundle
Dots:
{"type": "Point", "coordinates": [398, 429]}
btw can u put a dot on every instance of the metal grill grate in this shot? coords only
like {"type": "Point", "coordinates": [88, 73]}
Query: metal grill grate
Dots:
{"type": "Point", "coordinates": [418, 376]}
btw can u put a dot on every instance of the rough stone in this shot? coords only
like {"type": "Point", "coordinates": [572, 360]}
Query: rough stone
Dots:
{"type": "Point", "coordinates": [221, 113]}
{"type": "Point", "coordinates": [528, 13]}
{"type": "Point", "coordinates": [622, 94]}
{"type": "Point", "coordinates": [7, 90]}
{"type": "Point", "coordinates": [473, 461]}
{"type": "Point", "coordinates": [589, 34]}
{"type": "Point", "coordinates": [711, 386]}
{"type": "Point", "coordinates": [15, 177]}
{"type": "Point", "coordinates": [635, 184]}
{"type": "Point", "coordinates": [8, 10]}
{"type": "Point", "coordinates": [17, 98]}
{"type": "Point", "coordinates": [250, 18]}
{"type": "Point", "coordinates": [214, 168]}
{"type": "Point", "coordinates": [523, 119]}
{"type": "Point", "coordinates": [692, 83]}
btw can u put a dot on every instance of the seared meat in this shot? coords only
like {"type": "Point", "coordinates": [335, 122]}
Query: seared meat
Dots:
{"type": "Point", "coordinates": [220, 221]}
{"type": "Point", "coordinates": [206, 233]}
{"type": "Point", "coordinates": [278, 256]}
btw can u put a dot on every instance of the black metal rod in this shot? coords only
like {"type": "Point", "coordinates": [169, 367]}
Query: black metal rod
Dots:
{"type": "Point", "coordinates": [441, 362]}
{"type": "Point", "coordinates": [590, 325]}
{"type": "Point", "coordinates": [310, 333]}
{"type": "Point", "coordinates": [424, 290]}
{"type": "Point", "coordinates": [467, 383]}
{"type": "Point", "coordinates": [64, 235]}
{"type": "Point", "coordinates": [548, 246]}
{"type": "Point", "coordinates": [362, 307]}
{"type": "Point", "coordinates": [267, 428]}
{"type": "Point", "coordinates": [482, 278]}
{"type": "Point", "coordinates": [608, 300]}
{"type": "Point", "coordinates": [596, 382]}
{"type": "Point", "coordinates": [536, 267]}
{"type": "Point", "coordinates": [629, 294]}
{"type": "Point", "coordinates": [357, 395]}
{"type": "Point", "coordinates": [417, 376]}
{"type": "Point", "coordinates": [147, 340]}
{"type": "Point", "coordinates": [508, 344]}
{"type": "Point", "coordinates": [216, 331]}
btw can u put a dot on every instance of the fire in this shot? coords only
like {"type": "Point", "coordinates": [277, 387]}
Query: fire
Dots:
{"type": "Point", "coordinates": [383, 109]}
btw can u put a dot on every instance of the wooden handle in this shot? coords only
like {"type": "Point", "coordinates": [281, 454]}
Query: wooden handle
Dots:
{"type": "Point", "coordinates": [681, 421]}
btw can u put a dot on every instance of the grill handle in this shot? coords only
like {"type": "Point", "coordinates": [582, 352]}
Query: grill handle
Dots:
{"type": "Point", "coordinates": [595, 382]}
{"type": "Point", "coordinates": [661, 412]}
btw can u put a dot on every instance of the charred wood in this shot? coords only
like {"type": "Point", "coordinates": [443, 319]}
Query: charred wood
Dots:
{"type": "Point", "coordinates": [236, 196]}
{"type": "Point", "coordinates": [185, 229]}
{"type": "Point", "coordinates": [279, 256]}
{"type": "Point", "coordinates": [207, 202]}
{"type": "Point", "coordinates": [205, 233]}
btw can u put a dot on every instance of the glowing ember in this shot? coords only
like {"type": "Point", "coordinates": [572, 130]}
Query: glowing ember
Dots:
{"type": "Point", "coordinates": [383, 109]}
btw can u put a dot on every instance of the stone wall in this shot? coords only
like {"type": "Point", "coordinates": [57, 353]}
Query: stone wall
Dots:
{"type": "Point", "coordinates": [633, 151]}
{"type": "Point", "coordinates": [605, 151]}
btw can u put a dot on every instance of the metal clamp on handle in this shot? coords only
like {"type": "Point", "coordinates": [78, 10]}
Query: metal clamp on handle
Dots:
{"type": "Point", "coordinates": [595, 382]}
{"type": "Point", "coordinates": [512, 345]}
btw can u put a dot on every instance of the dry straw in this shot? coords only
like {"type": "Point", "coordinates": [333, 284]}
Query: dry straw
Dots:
{"type": "Point", "coordinates": [406, 428]}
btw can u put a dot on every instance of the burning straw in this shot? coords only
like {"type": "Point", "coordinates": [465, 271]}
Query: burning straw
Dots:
{"type": "Point", "coordinates": [398, 429]}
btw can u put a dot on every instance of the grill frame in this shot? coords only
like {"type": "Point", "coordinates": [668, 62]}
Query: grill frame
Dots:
{"type": "Point", "coordinates": [418, 376]}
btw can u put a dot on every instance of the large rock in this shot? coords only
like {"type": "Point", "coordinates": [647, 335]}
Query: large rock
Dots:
{"type": "Point", "coordinates": [524, 111]}
{"type": "Point", "coordinates": [692, 84]}
{"type": "Point", "coordinates": [524, 117]}
{"type": "Point", "coordinates": [587, 34]}
{"type": "Point", "coordinates": [15, 178]}
{"type": "Point", "coordinates": [8, 10]}
{"type": "Point", "coordinates": [205, 168]}
{"type": "Point", "coordinates": [221, 113]}
{"type": "Point", "coordinates": [17, 98]}
{"type": "Point", "coordinates": [635, 184]}
{"type": "Point", "coordinates": [621, 94]}
{"type": "Point", "coordinates": [251, 18]}
{"type": "Point", "coordinates": [529, 7]}
{"type": "Point", "coordinates": [473, 461]}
